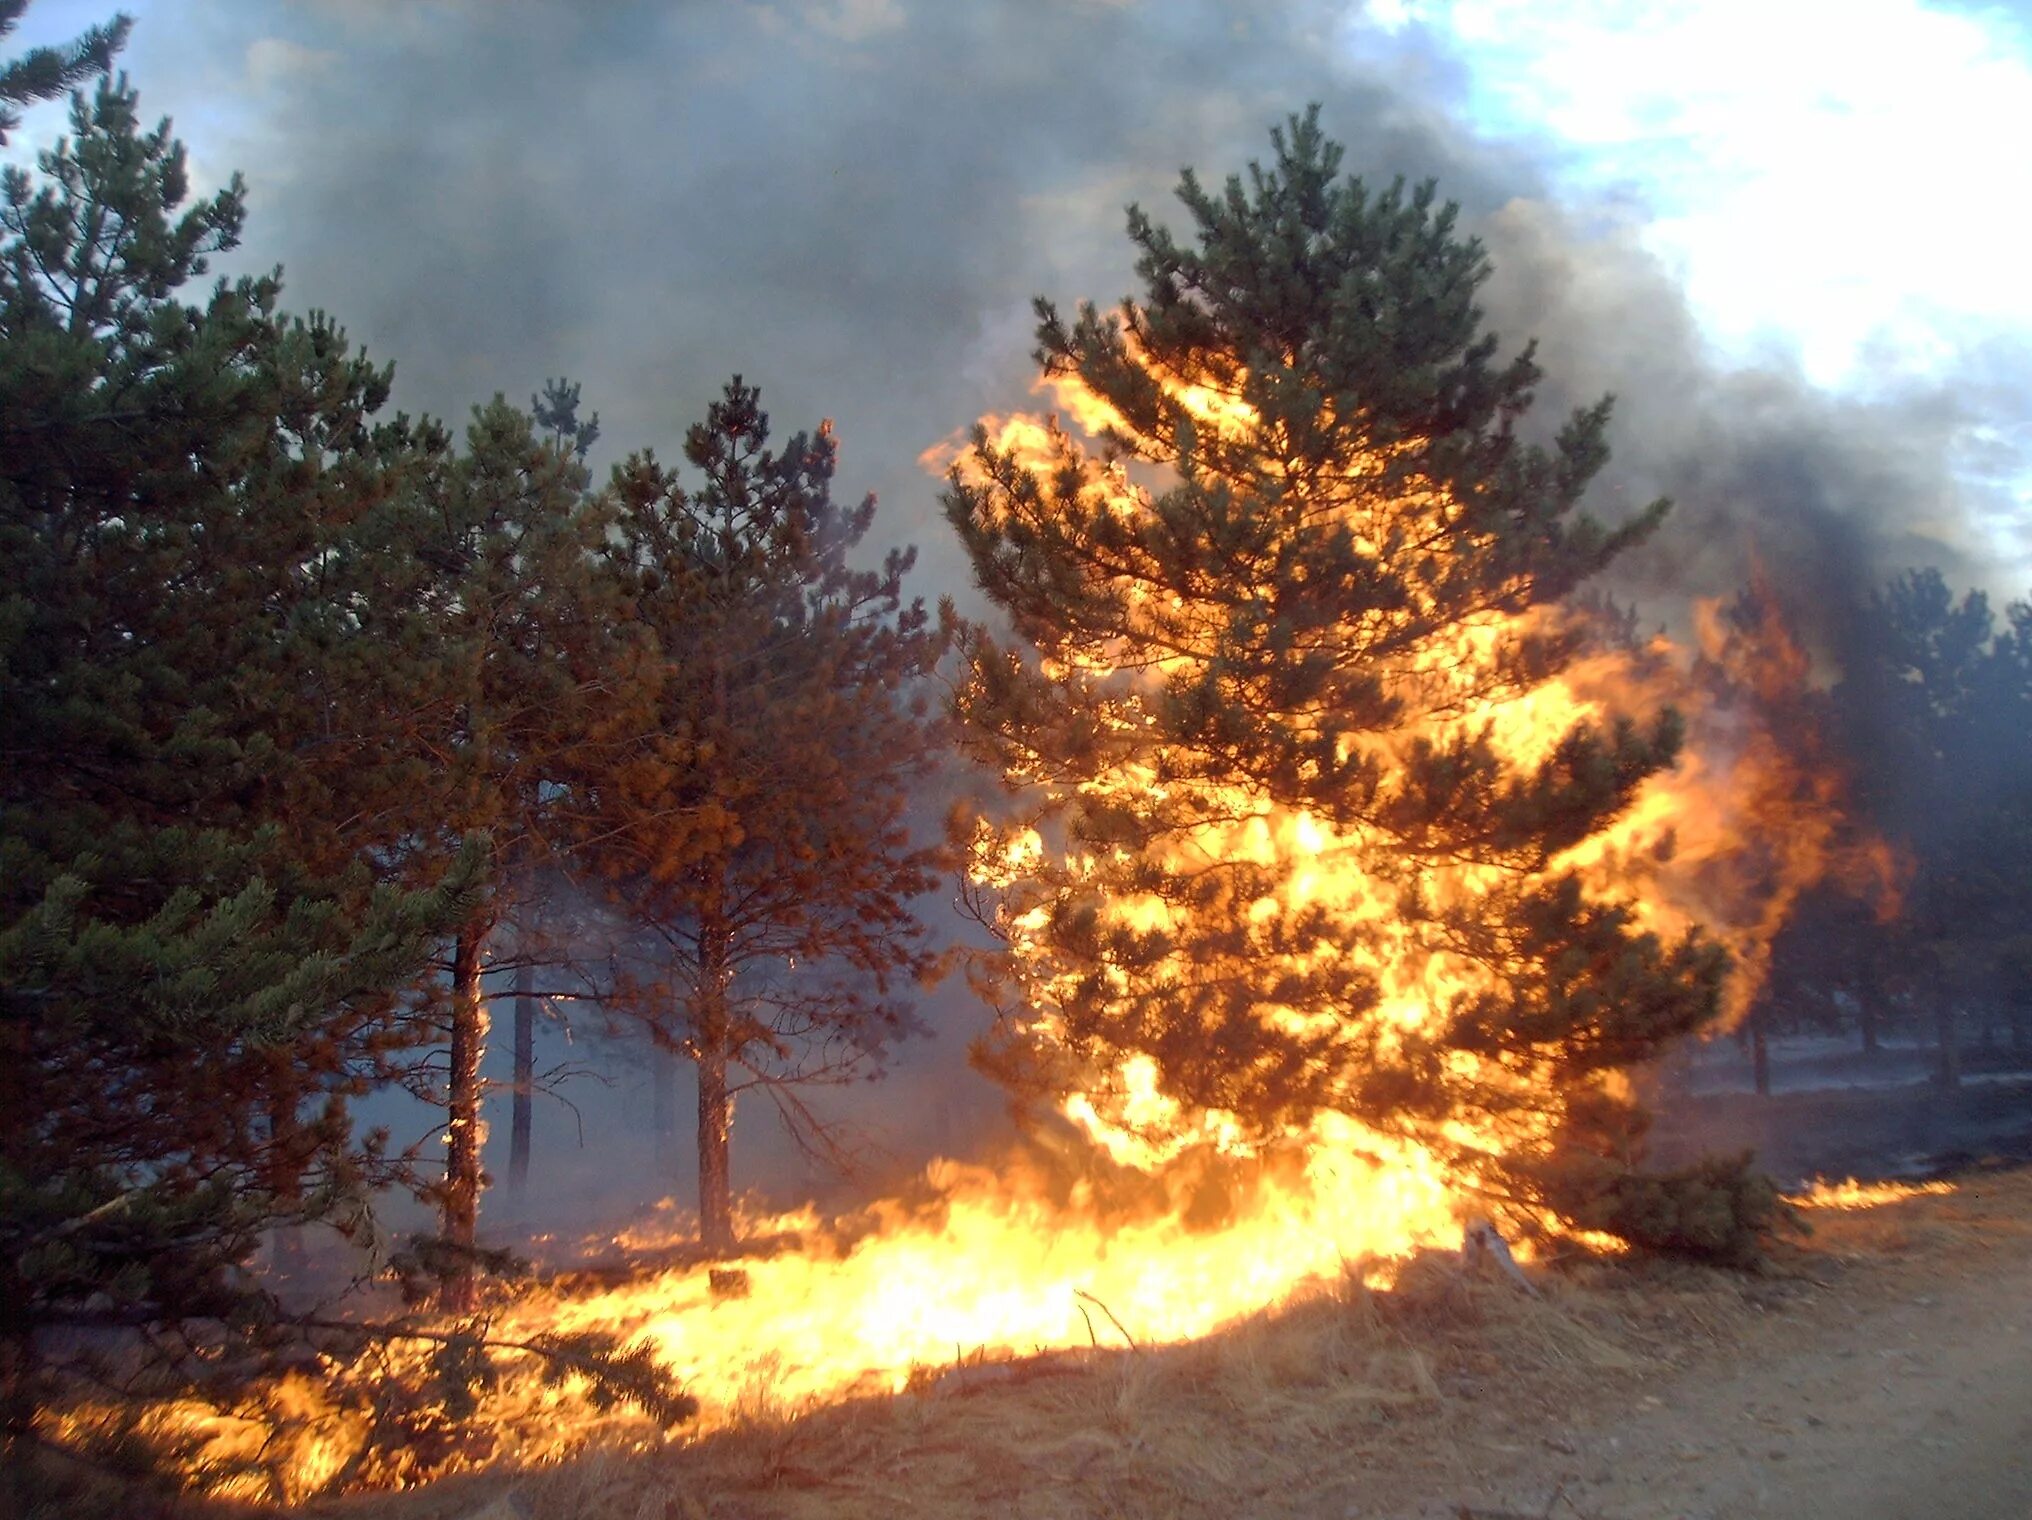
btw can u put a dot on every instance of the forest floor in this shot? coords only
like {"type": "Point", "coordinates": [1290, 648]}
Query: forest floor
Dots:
{"type": "Point", "coordinates": [1881, 1369]}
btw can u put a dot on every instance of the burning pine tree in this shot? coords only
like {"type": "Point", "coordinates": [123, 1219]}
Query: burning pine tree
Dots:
{"type": "Point", "coordinates": [1331, 840]}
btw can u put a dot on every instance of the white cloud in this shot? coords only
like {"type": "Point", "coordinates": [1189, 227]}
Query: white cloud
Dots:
{"type": "Point", "coordinates": [1852, 176]}
{"type": "Point", "coordinates": [1393, 15]}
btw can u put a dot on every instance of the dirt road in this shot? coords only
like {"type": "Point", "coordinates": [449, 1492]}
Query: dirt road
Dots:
{"type": "Point", "coordinates": [1902, 1391]}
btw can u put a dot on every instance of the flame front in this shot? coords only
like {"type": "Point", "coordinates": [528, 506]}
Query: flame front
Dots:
{"type": "Point", "coordinates": [1849, 1195]}
{"type": "Point", "coordinates": [994, 1265]}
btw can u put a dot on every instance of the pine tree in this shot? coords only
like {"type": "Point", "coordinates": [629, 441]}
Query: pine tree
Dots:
{"type": "Point", "coordinates": [556, 413]}
{"type": "Point", "coordinates": [45, 73]}
{"type": "Point", "coordinates": [227, 661]}
{"type": "Point", "coordinates": [743, 798]}
{"type": "Point", "coordinates": [1294, 842]}
{"type": "Point", "coordinates": [1936, 704]}
{"type": "Point", "coordinates": [197, 951]}
{"type": "Point", "coordinates": [508, 649]}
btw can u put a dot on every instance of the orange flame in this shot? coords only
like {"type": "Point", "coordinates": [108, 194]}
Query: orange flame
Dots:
{"type": "Point", "coordinates": [1725, 842]}
{"type": "Point", "coordinates": [1851, 1196]}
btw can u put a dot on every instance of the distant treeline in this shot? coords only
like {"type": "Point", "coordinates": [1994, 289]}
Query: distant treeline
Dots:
{"type": "Point", "coordinates": [1931, 718]}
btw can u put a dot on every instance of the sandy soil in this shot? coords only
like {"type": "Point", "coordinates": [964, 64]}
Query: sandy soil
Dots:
{"type": "Point", "coordinates": [1883, 1371]}
{"type": "Point", "coordinates": [1900, 1389]}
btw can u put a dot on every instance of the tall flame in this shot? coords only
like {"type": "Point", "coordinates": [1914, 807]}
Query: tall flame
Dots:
{"type": "Point", "coordinates": [1723, 843]}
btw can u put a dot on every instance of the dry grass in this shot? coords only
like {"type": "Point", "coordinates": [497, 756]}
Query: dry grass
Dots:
{"type": "Point", "coordinates": [1345, 1403]}
{"type": "Point", "coordinates": [1287, 1412]}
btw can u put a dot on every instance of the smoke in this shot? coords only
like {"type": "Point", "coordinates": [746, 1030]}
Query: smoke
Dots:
{"type": "Point", "coordinates": [1827, 494]}
{"type": "Point", "coordinates": [851, 202]}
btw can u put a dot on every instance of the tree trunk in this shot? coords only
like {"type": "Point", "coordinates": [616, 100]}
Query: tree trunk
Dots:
{"type": "Point", "coordinates": [464, 1134]}
{"type": "Point", "coordinates": [1947, 1031]}
{"type": "Point", "coordinates": [715, 1126]}
{"type": "Point", "coordinates": [1760, 1055]}
{"type": "Point", "coordinates": [525, 1076]}
{"type": "Point", "coordinates": [715, 1103]}
{"type": "Point", "coordinates": [713, 1033]}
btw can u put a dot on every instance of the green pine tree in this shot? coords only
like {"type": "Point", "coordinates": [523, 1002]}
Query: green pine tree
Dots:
{"type": "Point", "coordinates": [46, 73]}
{"type": "Point", "coordinates": [224, 641]}
{"type": "Point", "coordinates": [1286, 852]}
{"type": "Point", "coordinates": [198, 951]}
{"type": "Point", "coordinates": [511, 650]}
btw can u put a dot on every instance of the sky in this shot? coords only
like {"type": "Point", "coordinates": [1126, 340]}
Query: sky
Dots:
{"type": "Point", "coordinates": [1843, 185]}
{"type": "Point", "coordinates": [1789, 235]}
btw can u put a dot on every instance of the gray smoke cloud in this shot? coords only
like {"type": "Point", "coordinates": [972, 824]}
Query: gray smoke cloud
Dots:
{"type": "Point", "coordinates": [1825, 494]}
{"type": "Point", "coordinates": [851, 202]}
